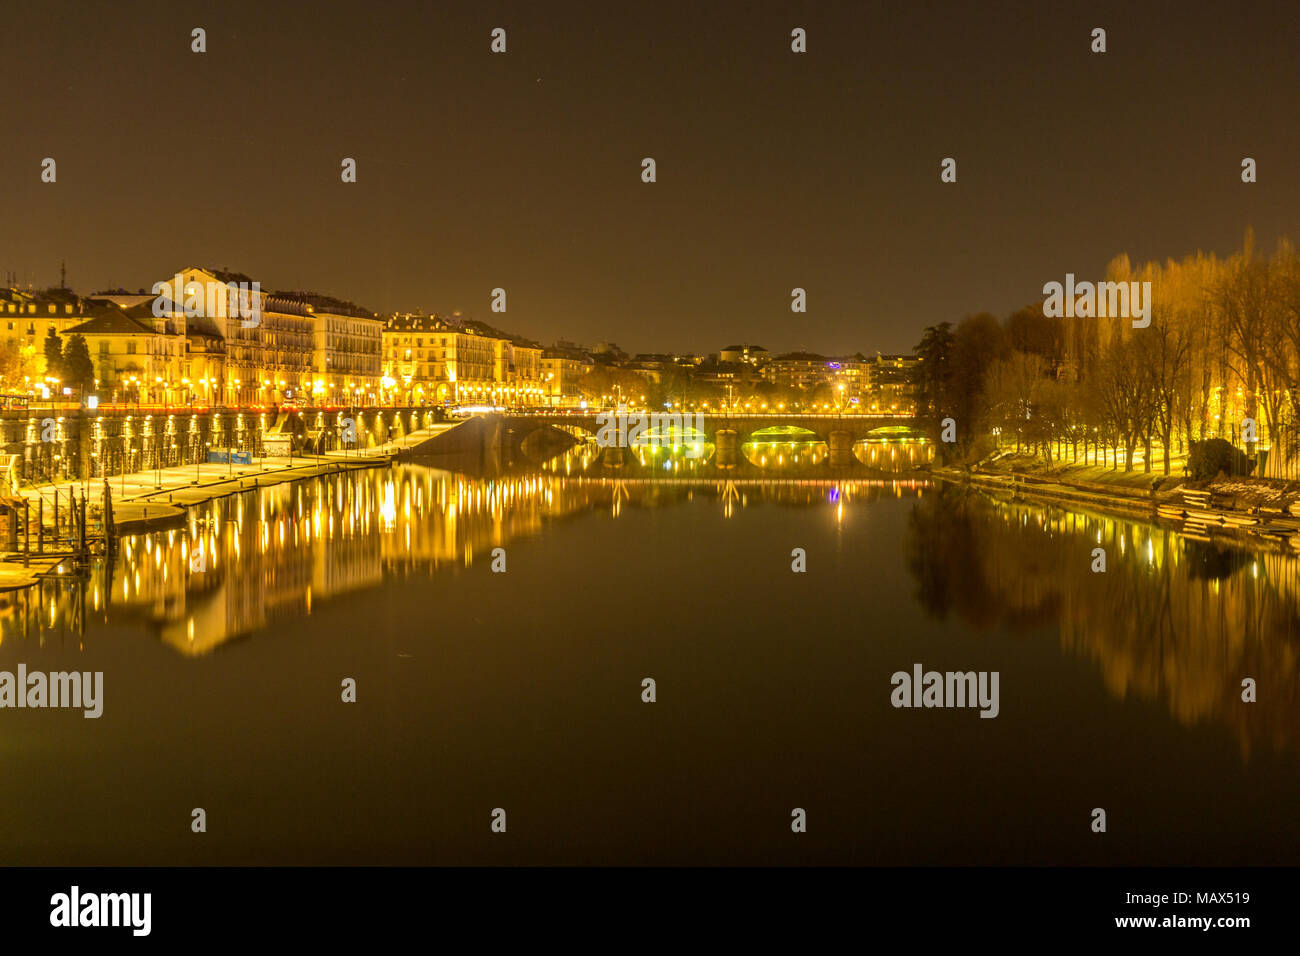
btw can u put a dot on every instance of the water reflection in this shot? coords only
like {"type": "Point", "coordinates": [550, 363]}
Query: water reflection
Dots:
{"type": "Point", "coordinates": [245, 561]}
{"type": "Point", "coordinates": [893, 455]}
{"type": "Point", "coordinates": [775, 453]}
{"type": "Point", "coordinates": [1177, 619]}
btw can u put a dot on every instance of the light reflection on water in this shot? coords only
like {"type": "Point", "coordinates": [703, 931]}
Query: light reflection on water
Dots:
{"type": "Point", "coordinates": [246, 559]}
{"type": "Point", "coordinates": [1174, 618]}
{"type": "Point", "coordinates": [385, 572]}
{"type": "Point", "coordinates": [775, 455]}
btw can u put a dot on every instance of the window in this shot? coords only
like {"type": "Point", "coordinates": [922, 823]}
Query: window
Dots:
{"type": "Point", "coordinates": [130, 348]}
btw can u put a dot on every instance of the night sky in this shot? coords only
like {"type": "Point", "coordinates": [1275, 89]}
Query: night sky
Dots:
{"type": "Point", "coordinates": [522, 170]}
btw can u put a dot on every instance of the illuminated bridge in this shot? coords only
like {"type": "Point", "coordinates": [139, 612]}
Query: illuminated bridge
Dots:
{"type": "Point", "coordinates": [520, 437]}
{"type": "Point", "coordinates": [727, 433]}
{"type": "Point", "coordinates": [856, 426]}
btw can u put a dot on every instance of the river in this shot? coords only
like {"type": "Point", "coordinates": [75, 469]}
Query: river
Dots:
{"type": "Point", "coordinates": [522, 689]}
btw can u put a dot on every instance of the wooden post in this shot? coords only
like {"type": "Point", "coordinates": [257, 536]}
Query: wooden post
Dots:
{"type": "Point", "coordinates": [40, 525]}
{"type": "Point", "coordinates": [108, 516]}
{"type": "Point", "coordinates": [27, 533]}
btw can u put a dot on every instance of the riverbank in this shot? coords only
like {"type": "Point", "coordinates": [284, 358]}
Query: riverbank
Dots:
{"type": "Point", "coordinates": [1260, 506]}
{"type": "Point", "coordinates": [170, 492]}
{"type": "Point", "coordinates": [155, 500]}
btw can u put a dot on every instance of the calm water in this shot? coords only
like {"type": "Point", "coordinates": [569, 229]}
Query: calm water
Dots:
{"type": "Point", "coordinates": [522, 690]}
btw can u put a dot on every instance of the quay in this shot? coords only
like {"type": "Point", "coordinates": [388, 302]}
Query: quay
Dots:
{"type": "Point", "coordinates": [48, 535]}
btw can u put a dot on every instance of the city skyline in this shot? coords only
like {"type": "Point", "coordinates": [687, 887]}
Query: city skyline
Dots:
{"type": "Point", "coordinates": [451, 316]}
{"type": "Point", "coordinates": [522, 170]}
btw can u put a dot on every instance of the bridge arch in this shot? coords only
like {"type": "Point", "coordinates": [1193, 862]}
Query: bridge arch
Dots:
{"type": "Point", "coordinates": [775, 446]}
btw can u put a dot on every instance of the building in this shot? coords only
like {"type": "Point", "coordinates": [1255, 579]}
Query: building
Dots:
{"type": "Point", "coordinates": [892, 383]}
{"type": "Point", "coordinates": [433, 361]}
{"type": "Point", "coordinates": [802, 370]}
{"type": "Point", "coordinates": [516, 365]}
{"type": "Point", "coordinates": [651, 365]}
{"type": "Point", "coordinates": [850, 377]}
{"type": "Point", "coordinates": [347, 347]}
{"type": "Point", "coordinates": [564, 365]}
{"type": "Point", "coordinates": [254, 350]}
{"type": "Point", "coordinates": [138, 357]}
{"type": "Point", "coordinates": [26, 318]}
{"type": "Point", "coordinates": [748, 354]}
{"type": "Point", "coordinates": [608, 353]}
{"type": "Point", "coordinates": [245, 346]}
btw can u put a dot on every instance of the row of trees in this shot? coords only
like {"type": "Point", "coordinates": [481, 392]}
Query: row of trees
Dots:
{"type": "Point", "coordinates": [1220, 358]}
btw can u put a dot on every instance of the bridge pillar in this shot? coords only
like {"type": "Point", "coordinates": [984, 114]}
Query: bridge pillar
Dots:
{"type": "Point", "coordinates": [841, 449]}
{"type": "Point", "coordinates": [727, 441]}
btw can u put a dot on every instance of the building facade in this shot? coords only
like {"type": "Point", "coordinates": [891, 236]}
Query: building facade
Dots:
{"type": "Point", "coordinates": [564, 365]}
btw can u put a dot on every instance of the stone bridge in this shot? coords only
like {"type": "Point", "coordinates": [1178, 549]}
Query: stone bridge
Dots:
{"type": "Point", "coordinates": [727, 433]}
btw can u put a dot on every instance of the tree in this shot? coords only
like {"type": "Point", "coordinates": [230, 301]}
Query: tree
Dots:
{"type": "Point", "coordinates": [1013, 387]}
{"type": "Point", "coordinates": [605, 383]}
{"type": "Point", "coordinates": [1029, 330]}
{"type": "Point", "coordinates": [934, 374]}
{"type": "Point", "coordinates": [1165, 347]}
{"type": "Point", "coordinates": [78, 369]}
{"type": "Point", "coordinates": [1214, 456]}
{"type": "Point", "coordinates": [977, 343]}
{"type": "Point", "coordinates": [53, 355]}
{"type": "Point", "coordinates": [1246, 301]}
{"type": "Point", "coordinates": [16, 364]}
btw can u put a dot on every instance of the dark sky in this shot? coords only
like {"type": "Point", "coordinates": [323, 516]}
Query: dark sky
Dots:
{"type": "Point", "coordinates": [522, 170]}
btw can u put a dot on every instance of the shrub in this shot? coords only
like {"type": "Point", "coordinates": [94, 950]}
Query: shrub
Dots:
{"type": "Point", "coordinates": [1207, 458]}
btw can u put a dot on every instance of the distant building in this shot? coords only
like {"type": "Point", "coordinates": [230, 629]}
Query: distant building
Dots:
{"type": "Point", "coordinates": [798, 370]}
{"type": "Point", "coordinates": [850, 377]}
{"type": "Point", "coordinates": [564, 365]}
{"type": "Point", "coordinates": [748, 354]}
{"type": "Point", "coordinates": [892, 383]}
{"type": "Point", "coordinates": [718, 373]}
{"type": "Point", "coordinates": [608, 353]}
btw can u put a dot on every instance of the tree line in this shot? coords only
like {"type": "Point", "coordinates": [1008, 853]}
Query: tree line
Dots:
{"type": "Point", "coordinates": [1219, 359]}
